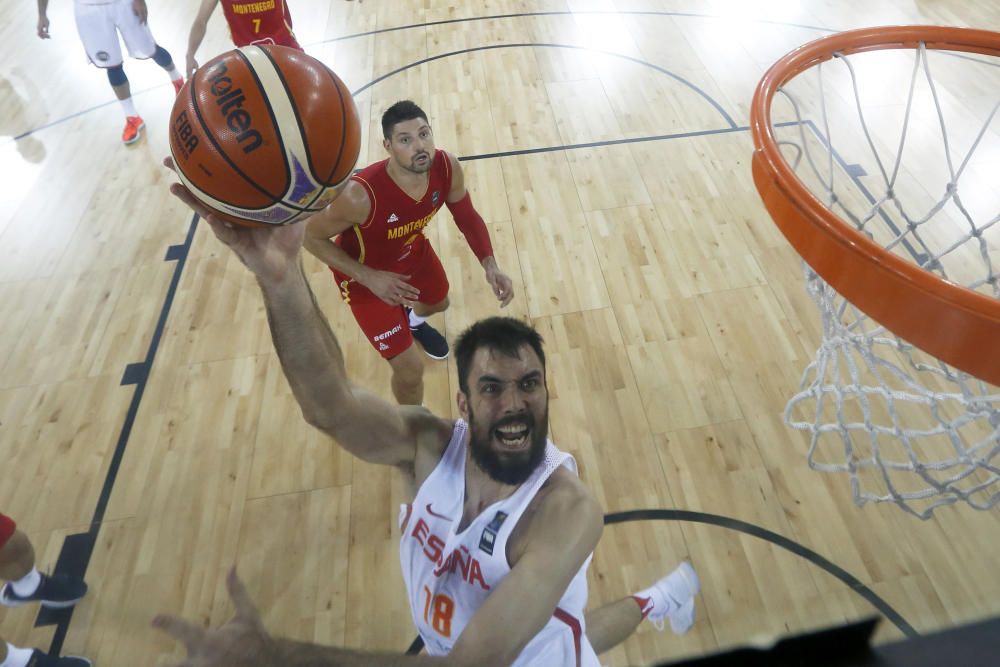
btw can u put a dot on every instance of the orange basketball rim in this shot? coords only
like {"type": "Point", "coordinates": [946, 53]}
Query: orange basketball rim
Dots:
{"type": "Point", "coordinates": [955, 324]}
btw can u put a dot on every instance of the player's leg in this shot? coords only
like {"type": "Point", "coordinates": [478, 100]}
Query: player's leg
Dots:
{"type": "Point", "coordinates": [425, 310]}
{"type": "Point", "coordinates": [162, 58]}
{"type": "Point", "coordinates": [611, 624]}
{"type": "Point", "coordinates": [141, 44]}
{"type": "Point", "coordinates": [670, 598]}
{"type": "Point", "coordinates": [429, 277]}
{"type": "Point", "coordinates": [134, 125]}
{"type": "Point", "coordinates": [386, 329]}
{"type": "Point", "coordinates": [408, 376]}
{"type": "Point", "coordinates": [17, 564]}
{"type": "Point", "coordinates": [17, 556]}
{"type": "Point", "coordinates": [435, 345]}
{"type": "Point", "coordinates": [96, 26]}
{"type": "Point", "coordinates": [25, 584]}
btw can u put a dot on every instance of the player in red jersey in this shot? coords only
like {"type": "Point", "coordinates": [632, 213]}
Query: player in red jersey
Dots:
{"type": "Point", "coordinates": [250, 22]}
{"type": "Point", "coordinates": [372, 237]}
{"type": "Point", "coordinates": [25, 585]}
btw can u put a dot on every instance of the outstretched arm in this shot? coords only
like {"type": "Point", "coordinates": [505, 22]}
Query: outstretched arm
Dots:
{"type": "Point", "coordinates": [244, 642]}
{"type": "Point", "coordinates": [198, 33]}
{"type": "Point", "coordinates": [364, 424]}
{"type": "Point", "coordinates": [471, 224]}
{"type": "Point", "coordinates": [561, 535]}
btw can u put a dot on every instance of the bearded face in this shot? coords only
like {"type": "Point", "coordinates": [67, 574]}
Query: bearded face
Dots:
{"type": "Point", "coordinates": [509, 449]}
{"type": "Point", "coordinates": [508, 414]}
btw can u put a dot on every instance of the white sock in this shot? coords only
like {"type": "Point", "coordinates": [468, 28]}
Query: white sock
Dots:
{"type": "Point", "coordinates": [27, 584]}
{"type": "Point", "coordinates": [17, 657]}
{"type": "Point", "coordinates": [174, 74]}
{"type": "Point", "coordinates": [415, 320]}
{"type": "Point", "coordinates": [128, 106]}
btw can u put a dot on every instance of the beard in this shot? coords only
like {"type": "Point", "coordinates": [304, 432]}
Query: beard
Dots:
{"type": "Point", "coordinates": [508, 467]}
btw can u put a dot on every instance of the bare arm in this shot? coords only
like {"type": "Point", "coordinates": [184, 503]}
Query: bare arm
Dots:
{"type": "Point", "coordinates": [244, 642]}
{"type": "Point", "coordinates": [198, 33]}
{"type": "Point", "coordinates": [364, 424]}
{"type": "Point", "coordinates": [559, 539]}
{"type": "Point", "coordinates": [299, 654]}
{"type": "Point", "coordinates": [351, 208]}
{"type": "Point", "coordinates": [472, 226]}
{"type": "Point", "coordinates": [561, 535]}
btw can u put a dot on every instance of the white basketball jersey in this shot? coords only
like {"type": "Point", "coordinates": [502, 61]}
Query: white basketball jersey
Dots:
{"type": "Point", "coordinates": [99, 23]}
{"type": "Point", "coordinates": [449, 575]}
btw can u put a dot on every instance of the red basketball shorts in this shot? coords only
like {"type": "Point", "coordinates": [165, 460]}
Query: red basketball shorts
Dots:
{"type": "Point", "coordinates": [387, 327]}
{"type": "Point", "coordinates": [7, 528]}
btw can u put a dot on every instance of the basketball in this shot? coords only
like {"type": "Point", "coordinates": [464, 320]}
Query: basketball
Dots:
{"type": "Point", "coordinates": [263, 135]}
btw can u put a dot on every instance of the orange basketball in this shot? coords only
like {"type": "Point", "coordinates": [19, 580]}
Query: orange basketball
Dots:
{"type": "Point", "coordinates": [264, 135]}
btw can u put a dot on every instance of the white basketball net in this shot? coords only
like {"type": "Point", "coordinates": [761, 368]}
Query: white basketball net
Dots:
{"type": "Point", "coordinates": [906, 427]}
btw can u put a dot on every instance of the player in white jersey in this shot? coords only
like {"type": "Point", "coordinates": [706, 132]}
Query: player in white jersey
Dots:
{"type": "Point", "coordinates": [496, 542]}
{"type": "Point", "coordinates": [99, 22]}
{"type": "Point", "coordinates": [451, 569]}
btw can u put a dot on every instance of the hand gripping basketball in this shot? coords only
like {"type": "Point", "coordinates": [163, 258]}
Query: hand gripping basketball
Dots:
{"type": "Point", "coordinates": [264, 135]}
{"type": "Point", "coordinates": [269, 252]}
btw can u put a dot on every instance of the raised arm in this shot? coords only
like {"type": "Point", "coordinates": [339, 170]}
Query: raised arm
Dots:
{"type": "Point", "coordinates": [198, 33]}
{"type": "Point", "coordinates": [561, 534]}
{"type": "Point", "coordinates": [350, 208]}
{"type": "Point", "coordinates": [471, 224]}
{"type": "Point", "coordinates": [365, 425]}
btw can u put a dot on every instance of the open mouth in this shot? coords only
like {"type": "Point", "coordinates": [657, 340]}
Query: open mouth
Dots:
{"type": "Point", "coordinates": [513, 436]}
{"type": "Point", "coordinates": [420, 159]}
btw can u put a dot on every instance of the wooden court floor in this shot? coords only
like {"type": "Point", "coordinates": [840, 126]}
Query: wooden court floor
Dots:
{"type": "Point", "coordinates": [144, 420]}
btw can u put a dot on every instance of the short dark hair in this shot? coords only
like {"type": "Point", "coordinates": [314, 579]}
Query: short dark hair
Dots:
{"type": "Point", "coordinates": [505, 335]}
{"type": "Point", "coordinates": [400, 111]}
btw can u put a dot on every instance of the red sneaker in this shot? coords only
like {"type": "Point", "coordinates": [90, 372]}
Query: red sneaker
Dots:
{"type": "Point", "coordinates": [133, 128]}
{"type": "Point", "coordinates": [177, 86]}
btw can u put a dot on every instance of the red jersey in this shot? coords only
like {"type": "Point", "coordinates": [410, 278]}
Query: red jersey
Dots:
{"type": "Point", "coordinates": [259, 22]}
{"type": "Point", "coordinates": [392, 236]}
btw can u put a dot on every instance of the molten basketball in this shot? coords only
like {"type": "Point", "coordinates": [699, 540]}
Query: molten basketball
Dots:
{"type": "Point", "coordinates": [264, 134]}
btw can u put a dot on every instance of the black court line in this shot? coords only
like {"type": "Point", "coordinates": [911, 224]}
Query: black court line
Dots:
{"type": "Point", "coordinates": [524, 45]}
{"type": "Point", "coordinates": [495, 17]}
{"type": "Point", "coordinates": [77, 114]}
{"type": "Point", "coordinates": [825, 564]}
{"type": "Point", "coordinates": [462, 20]}
{"type": "Point", "coordinates": [77, 549]}
{"type": "Point", "coordinates": [614, 142]}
